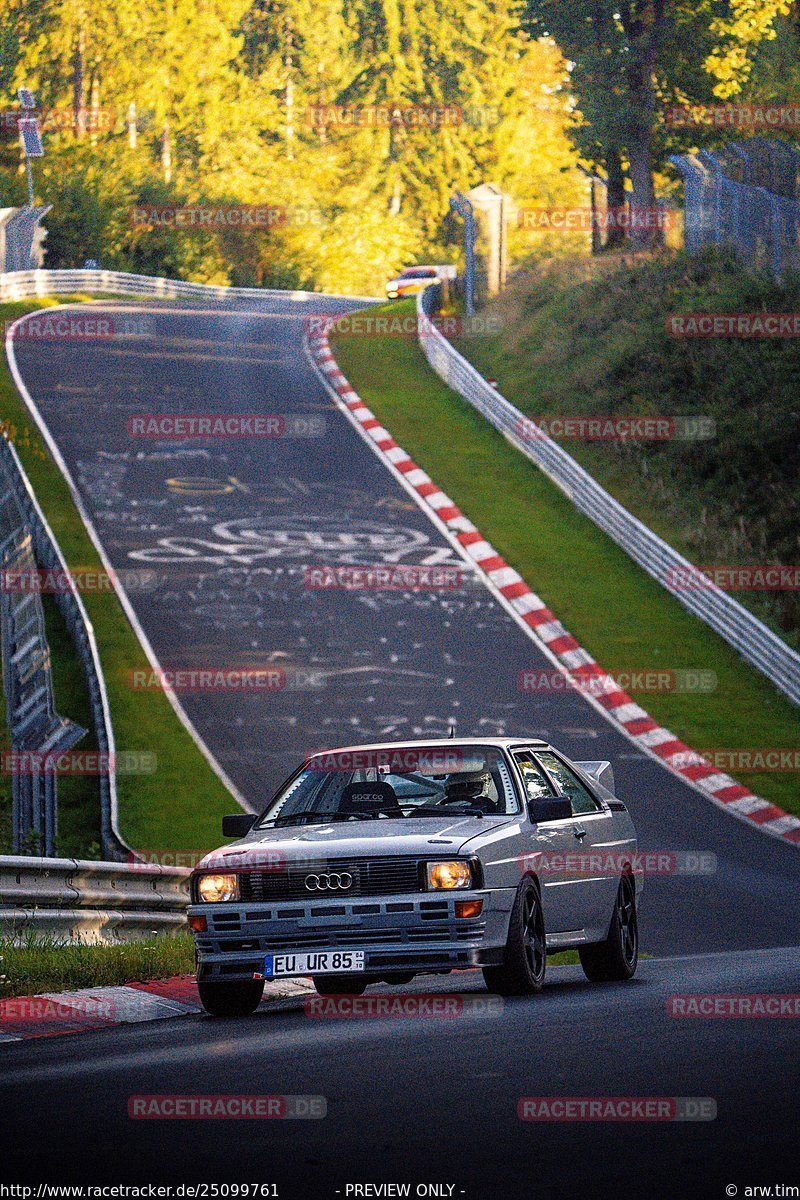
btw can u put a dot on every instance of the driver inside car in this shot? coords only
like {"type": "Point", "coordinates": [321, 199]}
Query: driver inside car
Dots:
{"type": "Point", "coordinates": [476, 788]}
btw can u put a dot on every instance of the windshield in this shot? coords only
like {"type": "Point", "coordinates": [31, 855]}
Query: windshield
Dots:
{"type": "Point", "coordinates": [395, 784]}
{"type": "Point", "coordinates": [418, 273]}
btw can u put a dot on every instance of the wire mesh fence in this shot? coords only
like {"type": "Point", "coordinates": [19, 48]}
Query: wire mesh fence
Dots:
{"type": "Point", "coordinates": [745, 196]}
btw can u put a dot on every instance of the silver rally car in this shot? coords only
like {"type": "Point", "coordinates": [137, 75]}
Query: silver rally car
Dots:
{"type": "Point", "coordinates": [381, 862]}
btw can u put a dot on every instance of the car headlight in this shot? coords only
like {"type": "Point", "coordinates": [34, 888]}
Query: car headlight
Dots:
{"type": "Point", "coordinates": [449, 875]}
{"type": "Point", "coordinates": [214, 888]}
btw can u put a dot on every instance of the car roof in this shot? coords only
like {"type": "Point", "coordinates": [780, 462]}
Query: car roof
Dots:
{"type": "Point", "coordinates": [501, 743]}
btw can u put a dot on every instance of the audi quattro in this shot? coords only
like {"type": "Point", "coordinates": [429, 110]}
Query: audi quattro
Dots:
{"type": "Point", "coordinates": [380, 862]}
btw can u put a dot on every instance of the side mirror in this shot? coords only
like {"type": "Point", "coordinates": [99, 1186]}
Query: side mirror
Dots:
{"type": "Point", "coordinates": [238, 825]}
{"type": "Point", "coordinates": [551, 808]}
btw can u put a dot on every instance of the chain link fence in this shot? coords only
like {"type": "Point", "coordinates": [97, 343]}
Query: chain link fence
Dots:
{"type": "Point", "coordinates": [744, 196]}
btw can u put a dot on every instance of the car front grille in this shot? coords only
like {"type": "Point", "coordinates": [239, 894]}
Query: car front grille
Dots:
{"type": "Point", "coordinates": [370, 877]}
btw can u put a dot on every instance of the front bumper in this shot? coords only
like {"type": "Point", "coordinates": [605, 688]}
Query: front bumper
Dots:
{"type": "Point", "coordinates": [399, 934]}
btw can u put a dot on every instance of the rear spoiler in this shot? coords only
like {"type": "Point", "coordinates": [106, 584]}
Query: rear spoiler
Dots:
{"type": "Point", "coordinates": [600, 770]}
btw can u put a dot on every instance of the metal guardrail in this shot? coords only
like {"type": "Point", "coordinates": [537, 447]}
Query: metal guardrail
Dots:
{"type": "Point", "coordinates": [92, 901]}
{"type": "Point", "coordinates": [38, 733]}
{"type": "Point", "coordinates": [23, 285]}
{"type": "Point", "coordinates": [49, 557]}
{"type": "Point", "coordinates": [756, 643]}
{"type": "Point", "coordinates": [744, 196]}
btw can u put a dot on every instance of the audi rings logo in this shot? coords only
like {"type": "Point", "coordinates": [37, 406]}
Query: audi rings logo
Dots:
{"type": "Point", "coordinates": [333, 882]}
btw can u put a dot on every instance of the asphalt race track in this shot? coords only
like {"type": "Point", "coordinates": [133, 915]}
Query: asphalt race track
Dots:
{"type": "Point", "coordinates": [226, 530]}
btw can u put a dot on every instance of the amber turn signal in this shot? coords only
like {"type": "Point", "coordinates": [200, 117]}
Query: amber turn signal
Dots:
{"type": "Point", "coordinates": [469, 908]}
{"type": "Point", "coordinates": [198, 923]}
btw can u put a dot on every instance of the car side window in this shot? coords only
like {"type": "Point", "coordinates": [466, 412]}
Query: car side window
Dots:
{"type": "Point", "coordinates": [537, 785]}
{"type": "Point", "coordinates": [580, 798]}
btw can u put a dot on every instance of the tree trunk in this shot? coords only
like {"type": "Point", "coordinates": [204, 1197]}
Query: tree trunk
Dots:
{"type": "Point", "coordinates": [79, 85]}
{"type": "Point", "coordinates": [166, 153]}
{"type": "Point", "coordinates": [645, 224]}
{"type": "Point", "coordinates": [643, 29]}
{"type": "Point", "coordinates": [615, 198]}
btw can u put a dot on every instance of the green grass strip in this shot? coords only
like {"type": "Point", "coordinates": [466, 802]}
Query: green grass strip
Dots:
{"type": "Point", "coordinates": [43, 963]}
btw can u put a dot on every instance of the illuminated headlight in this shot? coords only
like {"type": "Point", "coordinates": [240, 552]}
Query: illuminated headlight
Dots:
{"type": "Point", "coordinates": [214, 888]}
{"type": "Point", "coordinates": [449, 875]}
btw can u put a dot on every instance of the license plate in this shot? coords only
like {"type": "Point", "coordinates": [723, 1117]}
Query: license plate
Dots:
{"type": "Point", "coordinates": [316, 962]}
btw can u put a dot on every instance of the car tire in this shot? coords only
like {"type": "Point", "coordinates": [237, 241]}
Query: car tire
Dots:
{"type": "Point", "coordinates": [239, 998]}
{"type": "Point", "coordinates": [616, 958]}
{"type": "Point", "coordinates": [525, 959]}
{"type": "Point", "coordinates": [340, 985]}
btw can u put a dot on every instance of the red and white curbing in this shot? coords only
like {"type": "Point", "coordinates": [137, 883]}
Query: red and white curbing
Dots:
{"type": "Point", "coordinates": [543, 626]}
{"type": "Point", "coordinates": [52, 1013]}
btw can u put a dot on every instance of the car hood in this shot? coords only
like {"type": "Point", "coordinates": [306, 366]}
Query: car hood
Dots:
{"type": "Point", "coordinates": [425, 836]}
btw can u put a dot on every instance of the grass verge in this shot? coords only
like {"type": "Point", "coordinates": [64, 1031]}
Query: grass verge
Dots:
{"type": "Point", "coordinates": [179, 805]}
{"type": "Point", "coordinates": [604, 599]}
{"type": "Point", "coordinates": [46, 964]}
